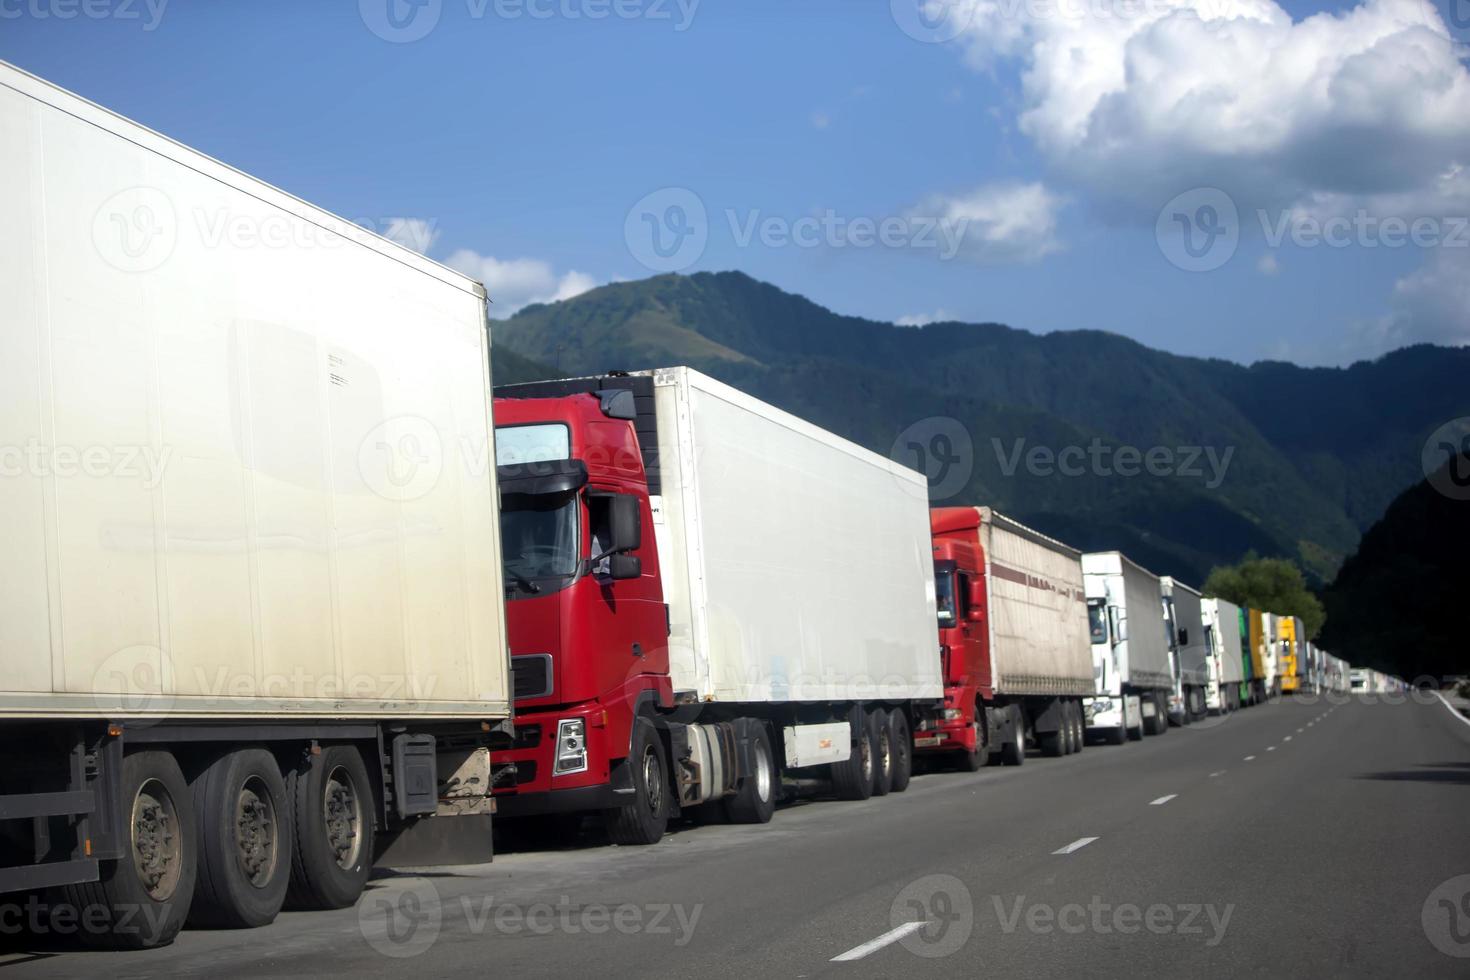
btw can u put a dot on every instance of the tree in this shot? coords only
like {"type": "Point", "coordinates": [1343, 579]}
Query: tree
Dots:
{"type": "Point", "coordinates": [1273, 585]}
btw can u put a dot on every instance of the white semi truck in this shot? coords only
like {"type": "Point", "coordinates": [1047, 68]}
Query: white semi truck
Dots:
{"type": "Point", "coordinates": [1188, 653]}
{"type": "Point", "coordinates": [1130, 649]}
{"type": "Point", "coordinates": [251, 620]}
{"type": "Point", "coordinates": [1226, 651]}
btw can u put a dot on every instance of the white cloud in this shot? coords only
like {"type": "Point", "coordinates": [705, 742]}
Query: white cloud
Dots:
{"type": "Point", "coordinates": [1000, 222]}
{"type": "Point", "coordinates": [1267, 265]}
{"type": "Point", "coordinates": [516, 283]}
{"type": "Point", "coordinates": [415, 233]}
{"type": "Point", "coordinates": [940, 315]}
{"type": "Point", "coordinates": [1430, 305]}
{"type": "Point", "coordinates": [1139, 99]}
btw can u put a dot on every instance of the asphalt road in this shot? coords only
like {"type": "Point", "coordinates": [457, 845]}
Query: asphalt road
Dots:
{"type": "Point", "coordinates": [1291, 839]}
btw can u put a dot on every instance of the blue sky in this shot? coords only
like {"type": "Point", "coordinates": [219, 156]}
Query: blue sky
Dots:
{"type": "Point", "coordinates": [520, 143]}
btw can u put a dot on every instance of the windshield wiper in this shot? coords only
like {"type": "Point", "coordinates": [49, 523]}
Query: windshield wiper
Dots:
{"type": "Point", "coordinates": [523, 582]}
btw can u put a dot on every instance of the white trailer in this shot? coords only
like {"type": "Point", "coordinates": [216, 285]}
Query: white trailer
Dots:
{"type": "Point", "coordinates": [1130, 648]}
{"type": "Point", "coordinates": [1226, 655]}
{"type": "Point", "coordinates": [797, 565]}
{"type": "Point", "coordinates": [242, 637]}
{"type": "Point", "coordinates": [1188, 653]}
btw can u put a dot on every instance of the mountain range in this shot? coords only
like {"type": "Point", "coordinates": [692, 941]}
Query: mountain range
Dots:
{"type": "Point", "coordinates": [1182, 462]}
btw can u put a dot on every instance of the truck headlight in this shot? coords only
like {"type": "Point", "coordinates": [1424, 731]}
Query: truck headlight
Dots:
{"type": "Point", "coordinates": [953, 714]}
{"type": "Point", "coordinates": [571, 747]}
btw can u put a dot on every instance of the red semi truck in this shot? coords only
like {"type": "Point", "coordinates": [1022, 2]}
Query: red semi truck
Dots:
{"type": "Point", "coordinates": [1014, 640]}
{"type": "Point", "coordinates": [703, 593]}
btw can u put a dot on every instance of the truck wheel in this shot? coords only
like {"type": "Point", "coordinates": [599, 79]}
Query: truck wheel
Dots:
{"type": "Point", "coordinates": [755, 798]}
{"type": "Point", "coordinates": [329, 805]}
{"type": "Point", "coordinates": [645, 819]}
{"type": "Point", "coordinates": [852, 779]}
{"type": "Point", "coordinates": [903, 749]}
{"type": "Point", "coordinates": [145, 895]}
{"type": "Point", "coordinates": [1013, 753]}
{"type": "Point", "coordinates": [882, 738]}
{"type": "Point", "coordinates": [1074, 726]}
{"type": "Point", "coordinates": [243, 824]}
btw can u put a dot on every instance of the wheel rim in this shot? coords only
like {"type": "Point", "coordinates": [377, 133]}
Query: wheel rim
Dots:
{"type": "Point", "coordinates": [653, 781]}
{"type": "Point", "coordinates": [255, 832]}
{"type": "Point", "coordinates": [342, 813]}
{"type": "Point", "coordinates": [157, 844]}
{"type": "Point", "coordinates": [865, 757]}
{"type": "Point", "coordinates": [762, 772]}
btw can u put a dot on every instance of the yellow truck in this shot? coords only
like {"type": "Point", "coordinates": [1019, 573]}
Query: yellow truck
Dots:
{"type": "Point", "coordinates": [1290, 638]}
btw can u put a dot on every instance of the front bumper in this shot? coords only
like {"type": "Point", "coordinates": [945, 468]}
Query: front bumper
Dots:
{"type": "Point", "coordinates": [526, 769]}
{"type": "Point", "coordinates": [946, 736]}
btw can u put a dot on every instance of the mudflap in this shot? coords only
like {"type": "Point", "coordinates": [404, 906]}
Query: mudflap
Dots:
{"type": "Point", "coordinates": [433, 842]}
{"type": "Point", "coordinates": [1049, 719]}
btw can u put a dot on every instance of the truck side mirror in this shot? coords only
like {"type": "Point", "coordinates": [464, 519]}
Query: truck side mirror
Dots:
{"type": "Point", "coordinates": [624, 566]}
{"type": "Point", "coordinates": [977, 600]}
{"type": "Point", "coordinates": [624, 523]}
{"type": "Point", "coordinates": [1118, 624]}
{"type": "Point", "coordinates": [976, 614]}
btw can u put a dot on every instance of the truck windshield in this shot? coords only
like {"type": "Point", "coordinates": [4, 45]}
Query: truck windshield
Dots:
{"type": "Point", "coordinates": [1097, 621]}
{"type": "Point", "coordinates": [944, 596]}
{"type": "Point", "coordinates": [539, 541]}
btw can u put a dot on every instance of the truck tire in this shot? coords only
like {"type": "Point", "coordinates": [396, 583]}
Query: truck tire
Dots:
{"type": "Point", "coordinates": [330, 809]}
{"type": "Point", "coordinates": [754, 799]}
{"type": "Point", "coordinates": [903, 749]}
{"type": "Point", "coordinates": [1079, 734]}
{"type": "Point", "coordinates": [647, 817]}
{"type": "Point", "coordinates": [243, 826]}
{"type": "Point", "coordinates": [882, 738]}
{"type": "Point", "coordinates": [1013, 753]}
{"type": "Point", "coordinates": [1161, 715]}
{"type": "Point", "coordinates": [852, 779]}
{"type": "Point", "coordinates": [147, 894]}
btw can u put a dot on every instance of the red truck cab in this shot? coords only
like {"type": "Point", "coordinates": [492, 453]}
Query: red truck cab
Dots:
{"type": "Point", "coordinates": [585, 615]}
{"type": "Point", "coordinates": [959, 580]}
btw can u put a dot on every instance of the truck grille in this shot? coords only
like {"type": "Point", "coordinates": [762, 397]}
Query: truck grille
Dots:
{"type": "Point", "coordinates": [532, 675]}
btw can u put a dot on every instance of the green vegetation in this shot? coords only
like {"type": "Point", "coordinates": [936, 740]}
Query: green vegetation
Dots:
{"type": "Point", "coordinates": [1398, 603]}
{"type": "Point", "coordinates": [1315, 454]}
{"type": "Point", "coordinates": [1271, 585]}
